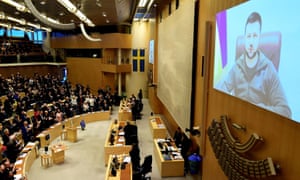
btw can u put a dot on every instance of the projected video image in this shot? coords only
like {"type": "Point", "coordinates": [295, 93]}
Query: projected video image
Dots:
{"type": "Point", "coordinates": [255, 55]}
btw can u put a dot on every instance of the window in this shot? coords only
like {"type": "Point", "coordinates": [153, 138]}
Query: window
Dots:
{"type": "Point", "coordinates": [142, 65]}
{"type": "Point", "coordinates": [134, 65]}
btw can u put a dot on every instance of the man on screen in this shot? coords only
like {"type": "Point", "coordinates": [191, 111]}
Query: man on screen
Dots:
{"type": "Point", "coordinates": [254, 77]}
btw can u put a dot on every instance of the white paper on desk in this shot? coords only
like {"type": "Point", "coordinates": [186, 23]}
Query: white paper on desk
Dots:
{"type": "Point", "coordinates": [23, 155]}
{"type": "Point", "coordinates": [127, 159]}
{"type": "Point", "coordinates": [18, 177]}
{"type": "Point", "coordinates": [178, 157]}
{"type": "Point", "coordinates": [122, 133]}
{"type": "Point", "coordinates": [18, 162]}
{"type": "Point", "coordinates": [161, 126]}
{"type": "Point", "coordinates": [26, 149]}
{"type": "Point", "coordinates": [121, 139]}
{"type": "Point", "coordinates": [161, 140]}
{"type": "Point", "coordinates": [30, 144]}
{"type": "Point", "coordinates": [119, 144]}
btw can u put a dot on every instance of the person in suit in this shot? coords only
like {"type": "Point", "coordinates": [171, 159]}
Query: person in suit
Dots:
{"type": "Point", "coordinates": [131, 135]}
{"type": "Point", "coordinates": [254, 77]}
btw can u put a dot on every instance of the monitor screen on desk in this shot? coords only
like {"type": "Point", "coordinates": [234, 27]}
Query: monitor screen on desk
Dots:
{"type": "Point", "coordinates": [47, 137]}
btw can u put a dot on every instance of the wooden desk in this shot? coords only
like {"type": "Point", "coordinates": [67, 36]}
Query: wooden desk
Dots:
{"type": "Point", "coordinates": [46, 160]}
{"type": "Point", "coordinates": [172, 167]}
{"type": "Point", "coordinates": [158, 129]}
{"type": "Point", "coordinates": [125, 113]}
{"type": "Point", "coordinates": [88, 118]}
{"type": "Point", "coordinates": [121, 174]}
{"type": "Point", "coordinates": [72, 134]}
{"type": "Point", "coordinates": [58, 153]}
{"type": "Point", "coordinates": [25, 160]}
{"type": "Point", "coordinates": [118, 146]}
{"type": "Point", "coordinates": [54, 132]}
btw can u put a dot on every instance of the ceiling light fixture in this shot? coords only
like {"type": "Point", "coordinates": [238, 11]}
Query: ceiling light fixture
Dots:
{"type": "Point", "coordinates": [18, 6]}
{"type": "Point", "coordinates": [98, 4]}
{"type": "Point", "coordinates": [47, 21]}
{"type": "Point", "coordinates": [43, 2]}
{"type": "Point", "coordinates": [9, 26]}
{"type": "Point", "coordinates": [142, 3]}
{"type": "Point", "coordinates": [68, 5]}
{"type": "Point", "coordinates": [20, 21]}
{"type": "Point", "coordinates": [73, 9]}
{"type": "Point", "coordinates": [86, 35]}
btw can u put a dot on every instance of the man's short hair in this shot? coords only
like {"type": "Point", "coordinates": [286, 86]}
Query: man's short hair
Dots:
{"type": "Point", "coordinates": [253, 17]}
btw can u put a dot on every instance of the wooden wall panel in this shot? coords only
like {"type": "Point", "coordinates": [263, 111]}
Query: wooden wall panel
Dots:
{"type": "Point", "coordinates": [85, 71]}
{"type": "Point", "coordinates": [113, 40]}
{"type": "Point", "coordinates": [279, 133]}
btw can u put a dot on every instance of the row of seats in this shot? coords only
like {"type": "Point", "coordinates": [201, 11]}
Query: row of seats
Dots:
{"type": "Point", "coordinates": [234, 142]}
{"type": "Point", "coordinates": [234, 164]}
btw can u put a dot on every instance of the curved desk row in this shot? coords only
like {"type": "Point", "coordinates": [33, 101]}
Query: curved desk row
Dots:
{"type": "Point", "coordinates": [119, 170]}
{"type": "Point", "coordinates": [30, 151]}
{"type": "Point", "coordinates": [25, 160]}
{"type": "Point", "coordinates": [125, 113]}
{"type": "Point", "coordinates": [117, 144]}
{"type": "Point", "coordinates": [70, 124]}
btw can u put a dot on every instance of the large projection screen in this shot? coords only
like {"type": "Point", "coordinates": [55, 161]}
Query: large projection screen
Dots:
{"type": "Point", "coordinates": [274, 87]}
{"type": "Point", "coordinates": [175, 47]}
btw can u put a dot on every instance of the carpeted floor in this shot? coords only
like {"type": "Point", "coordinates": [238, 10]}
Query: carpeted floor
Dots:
{"type": "Point", "coordinates": [84, 160]}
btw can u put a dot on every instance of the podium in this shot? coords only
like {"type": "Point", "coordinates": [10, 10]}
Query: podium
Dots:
{"type": "Point", "coordinates": [58, 153]}
{"type": "Point", "coordinates": [72, 134]}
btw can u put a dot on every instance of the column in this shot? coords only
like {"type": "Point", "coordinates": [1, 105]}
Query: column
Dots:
{"type": "Point", "coordinates": [119, 74]}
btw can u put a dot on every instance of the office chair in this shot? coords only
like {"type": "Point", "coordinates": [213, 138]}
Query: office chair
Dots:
{"type": "Point", "coordinates": [146, 168]}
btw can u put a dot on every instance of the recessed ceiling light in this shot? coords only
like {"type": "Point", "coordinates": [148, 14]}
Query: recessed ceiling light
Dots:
{"type": "Point", "coordinates": [107, 21]}
{"type": "Point", "coordinates": [43, 2]}
{"type": "Point", "coordinates": [98, 3]}
{"type": "Point", "coordinates": [61, 13]}
{"type": "Point", "coordinates": [104, 14]}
